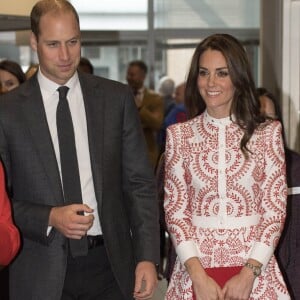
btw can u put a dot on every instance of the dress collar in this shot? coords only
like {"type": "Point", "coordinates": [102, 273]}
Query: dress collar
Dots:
{"type": "Point", "coordinates": [218, 122]}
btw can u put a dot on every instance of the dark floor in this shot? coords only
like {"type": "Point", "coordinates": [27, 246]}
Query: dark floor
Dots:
{"type": "Point", "coordinates": [4, 284]}
{"type": "Point", "coordinates": [159, 293]}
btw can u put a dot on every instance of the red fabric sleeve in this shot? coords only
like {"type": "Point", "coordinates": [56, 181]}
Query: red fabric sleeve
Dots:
{"type": "Point", "coordinates": [9, 235]}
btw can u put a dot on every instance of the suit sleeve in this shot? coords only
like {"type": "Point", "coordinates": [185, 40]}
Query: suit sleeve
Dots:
{"type": "Point", "coordinates": [18, 165]}
{"type": "Point", "coordinates": [9, 235]}
{"type": "Point", "coordinates": [139, 187]}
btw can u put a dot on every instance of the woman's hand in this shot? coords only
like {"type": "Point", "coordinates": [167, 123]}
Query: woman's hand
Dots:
{"type": "Point", "coordinates": [239, 287]}
{"type": "Point", "coordinates": [205, 288]}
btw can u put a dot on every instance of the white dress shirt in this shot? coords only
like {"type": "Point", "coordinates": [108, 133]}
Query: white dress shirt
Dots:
{"type": "Point", "coordinates": [139, 97]}
{"type": "Point", "coordinates": [76, 104]}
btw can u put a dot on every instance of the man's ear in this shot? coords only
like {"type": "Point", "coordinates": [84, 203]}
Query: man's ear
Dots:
{"type": "Point", "coordinates": [33, 41]}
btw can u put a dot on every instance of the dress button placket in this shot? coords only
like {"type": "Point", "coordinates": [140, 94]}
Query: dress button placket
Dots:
{"type": "Point", "coordinates": [221, 174]}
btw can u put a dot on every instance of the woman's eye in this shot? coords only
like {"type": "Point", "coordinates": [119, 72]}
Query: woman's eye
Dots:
{"type": "Point", "coordinates": [10, 83]}
{"type": "Point", "coordinates": [203, 72]}
{"type": "Point", "coordinates": [222, 73]}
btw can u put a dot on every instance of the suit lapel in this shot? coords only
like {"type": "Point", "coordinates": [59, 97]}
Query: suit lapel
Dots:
{"type": "Point", "coordinates": [92, 96]}
{"type": "Point", "coordinates": [35, 115]}
{"type": "Point", "coordinates": [37, 123]}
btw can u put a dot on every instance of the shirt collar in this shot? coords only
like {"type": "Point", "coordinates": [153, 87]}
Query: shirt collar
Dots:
{"type": "Point", "coordinates": [140, 91]}
{"type": "Point", "coordinates": [51, 86]}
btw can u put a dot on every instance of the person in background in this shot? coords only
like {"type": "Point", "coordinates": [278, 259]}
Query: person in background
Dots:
{"type": "Point", "coordinates": [11, 75]}
{"type": "Point", "coordinates": [85, 66]}
{"type": "Point", "coordinates": [225, 183]}
{"type": "Point", "coordinates": [9, 238]}
{"type": "Point", "coordinates": [149, 105]}
{"type": "Point", "coordinates": [166, 88]}
{"type": "Point", "coordinates": [32, 69]}
{"type": "Point", "coordinates": [9, 234]}
{"type": "Point", "coordinates": [176, 114]}
{"type": "Point", "coordinates": [102, 242]}
{"type": "Point", "coordinates": [287, 251]}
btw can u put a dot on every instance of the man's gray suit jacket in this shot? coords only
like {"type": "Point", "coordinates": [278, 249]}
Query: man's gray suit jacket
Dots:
{"type": "Point", "coordinates": [123, 180]}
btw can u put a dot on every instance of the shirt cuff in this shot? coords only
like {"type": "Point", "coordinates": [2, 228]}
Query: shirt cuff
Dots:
{"type": "Point", "coordinates": [49, 230]}
{"type": "Point", "coordinates": [186, 250]}
{"type": "Point", "coordinates": [262, 253]}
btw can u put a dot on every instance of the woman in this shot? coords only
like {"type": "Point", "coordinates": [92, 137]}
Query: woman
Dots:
{"type": "Point", "coordinates": [225, 185]}
{"type": "Point", "coordinates": [9, 238]}
{"type": "Point", "coordinates": [11, 75]}
{"type": "Point", "coordinates": [9, 235]}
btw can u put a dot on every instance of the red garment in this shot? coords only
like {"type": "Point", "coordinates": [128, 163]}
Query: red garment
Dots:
{"type": "Point", "coordinates": [222, 275]}
{"type": "Point", "coordinates": [9, 235]}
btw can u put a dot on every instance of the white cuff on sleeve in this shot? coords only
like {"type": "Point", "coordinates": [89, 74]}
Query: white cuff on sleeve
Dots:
{"type": "Point", "coordinates": [186, 250]}
{"type": "Point", "coordinates": [49, 228]}
{"type": "Point", "coordinates": [262, 253]}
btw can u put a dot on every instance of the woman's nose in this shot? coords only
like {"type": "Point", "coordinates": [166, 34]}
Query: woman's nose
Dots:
{"type": "Point", "coordinates": [211, 80]}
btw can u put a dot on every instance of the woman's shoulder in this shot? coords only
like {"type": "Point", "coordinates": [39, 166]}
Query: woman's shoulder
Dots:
{"type": "Point", "coordinates": [185, 125]}
{"type": "Point", "coordinates": [270, 126]}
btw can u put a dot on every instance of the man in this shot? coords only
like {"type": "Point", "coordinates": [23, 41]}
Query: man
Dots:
{"type": "Point", "coordinates": [118, 219]}
{"type": "Point", "coordinates": [287, 250]}
{"type": "Point", "coordinates": [149, 104]}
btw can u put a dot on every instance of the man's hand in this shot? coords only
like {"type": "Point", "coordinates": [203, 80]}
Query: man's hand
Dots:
{"type": "Point", "coordinates": [145, 280]}
{"type": "Point", "coordinates": [70, 221]}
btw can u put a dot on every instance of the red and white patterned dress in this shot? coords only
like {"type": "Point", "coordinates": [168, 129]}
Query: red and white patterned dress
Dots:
{"type": "Point", "coordinates": [220, 206]}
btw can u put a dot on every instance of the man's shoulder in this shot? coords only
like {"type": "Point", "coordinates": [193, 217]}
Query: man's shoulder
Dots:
{"type": "Point", "coordinates": [94, 80]}
{"type": "Point", "coordinates": [18, 94]}
{"type": "Point", "coordinates": [152, 95]}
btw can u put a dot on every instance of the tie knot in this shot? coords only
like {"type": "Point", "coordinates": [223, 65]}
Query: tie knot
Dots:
{"type": "Point", "coordinates": [63, 91]}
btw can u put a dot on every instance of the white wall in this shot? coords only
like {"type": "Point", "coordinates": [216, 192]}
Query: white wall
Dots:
{"type": "Point", "coordinates": [291, 71]}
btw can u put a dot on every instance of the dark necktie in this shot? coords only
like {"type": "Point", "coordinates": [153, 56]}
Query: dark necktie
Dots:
{"type": "Point", "coordinates": [69, 164]}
